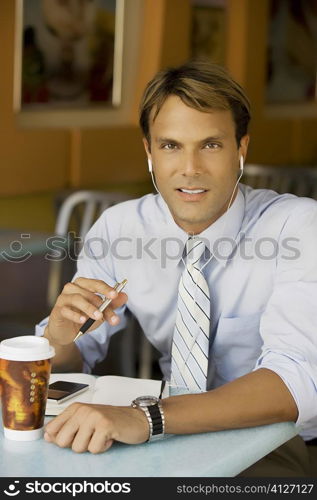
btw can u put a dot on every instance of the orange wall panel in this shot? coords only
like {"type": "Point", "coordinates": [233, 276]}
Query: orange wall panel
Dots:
{"type": "Point", "coordinates": [289, 138]}
{"type": "Point", "coordinates": [32, 160]}
{"type": "Point", "coordinates": [112, 156]}
{"type": "Point", "coordinates": [116, 155]}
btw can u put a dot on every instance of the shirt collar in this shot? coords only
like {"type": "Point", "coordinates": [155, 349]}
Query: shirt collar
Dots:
{"type": "Point", "coordinates": [221, 236]}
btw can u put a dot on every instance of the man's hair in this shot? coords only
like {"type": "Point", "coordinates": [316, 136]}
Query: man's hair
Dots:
{"type": "Point", "coordinates": [200, 85]}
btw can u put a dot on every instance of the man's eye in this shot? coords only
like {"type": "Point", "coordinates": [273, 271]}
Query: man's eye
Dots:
{"type": "Point", "coordinates": [169, 146]}
{"type": "Point", "coordinates": [212, 145]}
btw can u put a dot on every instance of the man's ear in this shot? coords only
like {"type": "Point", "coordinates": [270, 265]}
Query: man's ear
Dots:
{"type": "Point", "coordinates": [243, 148]}
{"type": "Point", "coordinates": [147, 147]}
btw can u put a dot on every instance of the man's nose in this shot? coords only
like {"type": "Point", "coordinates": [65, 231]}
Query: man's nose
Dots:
{"type": "Point", "coordinates": [191, 165]}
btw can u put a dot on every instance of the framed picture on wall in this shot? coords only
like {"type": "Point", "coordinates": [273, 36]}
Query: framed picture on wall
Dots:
{"type": "Point", "coordinates": [71, 60]}
{"type": "Point", "coordinates": [292, 49]}
{"type": "Point", "coordinates": [208, 30]}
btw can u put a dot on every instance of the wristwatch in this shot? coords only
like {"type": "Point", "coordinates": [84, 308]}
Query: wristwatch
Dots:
{"type": "Point", "coordinates": [152, 407]}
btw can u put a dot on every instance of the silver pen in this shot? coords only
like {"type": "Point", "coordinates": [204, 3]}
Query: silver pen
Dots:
{"type": "Point", "coordinates": [118, 287]}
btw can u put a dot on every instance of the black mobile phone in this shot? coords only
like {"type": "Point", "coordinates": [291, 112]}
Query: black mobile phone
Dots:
{"type": "Point", "coordinates": [62, 390]}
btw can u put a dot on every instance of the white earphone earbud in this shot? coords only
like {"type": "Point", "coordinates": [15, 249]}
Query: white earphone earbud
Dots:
{"type": "Point", "coordinates": [150, 165]}
{"type": "Point", "coordinates": [241, 165]}
{"type": "Point", "coordinates": [149, 162]}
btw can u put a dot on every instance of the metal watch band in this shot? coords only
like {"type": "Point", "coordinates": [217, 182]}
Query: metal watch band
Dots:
{"type": "Point", "coordinates": [157, 421]}
{"type": "Point", "coordinates": [155, 416]}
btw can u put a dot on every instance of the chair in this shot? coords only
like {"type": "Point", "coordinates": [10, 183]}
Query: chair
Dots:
{"type": "Point", "coordinates": [301, 181]}
{"type": "Point", "coordinates": [77, 213]}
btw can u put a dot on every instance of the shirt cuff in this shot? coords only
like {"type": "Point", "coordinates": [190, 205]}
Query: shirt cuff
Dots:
{"type": "Point", "coordinates": [298, 376]}
{"type": "Point", "coordinates": [40, 328]}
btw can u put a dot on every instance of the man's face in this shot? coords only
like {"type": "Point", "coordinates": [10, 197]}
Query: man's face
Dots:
{"type": "Point", "coordinates": [194, 151]}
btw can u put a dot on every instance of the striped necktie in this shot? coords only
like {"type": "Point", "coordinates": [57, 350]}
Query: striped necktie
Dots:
{"type": "Point", "coordinates": [191, 334]}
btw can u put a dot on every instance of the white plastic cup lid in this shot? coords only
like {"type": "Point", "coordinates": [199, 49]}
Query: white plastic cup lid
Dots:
{"type": "Point", "coordinates": [26, 348]}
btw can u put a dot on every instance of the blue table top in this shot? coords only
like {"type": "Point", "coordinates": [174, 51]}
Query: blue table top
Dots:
{"type": "Point", "coordinates": [215, 454]}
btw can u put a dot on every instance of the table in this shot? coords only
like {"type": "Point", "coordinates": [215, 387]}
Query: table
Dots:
{"type": "Point", "coordinates": [215, 454]}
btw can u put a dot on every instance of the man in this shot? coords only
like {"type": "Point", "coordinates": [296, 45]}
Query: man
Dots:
{"type": "Point", "coordinates": [236, 325]}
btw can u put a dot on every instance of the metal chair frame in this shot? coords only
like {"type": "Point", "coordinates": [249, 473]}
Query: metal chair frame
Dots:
{"type": "Point", "coordinates": [93, 204]}
{"type": "Point", "coordinates": [301, 181]}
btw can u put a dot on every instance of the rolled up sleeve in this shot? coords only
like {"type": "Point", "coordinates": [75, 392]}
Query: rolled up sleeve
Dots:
{"type": "Point", "coordinates": [288, 325]}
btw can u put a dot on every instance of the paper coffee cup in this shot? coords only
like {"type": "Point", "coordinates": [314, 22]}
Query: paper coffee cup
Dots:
{"type": "Point", "coordinates": [25, 367]}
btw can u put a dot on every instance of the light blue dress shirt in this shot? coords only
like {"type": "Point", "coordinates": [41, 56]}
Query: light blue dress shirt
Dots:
{"type": "Point", "coordinates": [262, 276]}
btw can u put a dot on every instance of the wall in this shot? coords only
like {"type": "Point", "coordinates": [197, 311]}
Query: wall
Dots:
{"type": "Point", "coordinates": [34, 160]}
{"type": "Point", "coordinates": [117, 155]}
{"type": "Point", "coordinates": [275, 139]}
{"type": "Point", "coordinates": [30, 160]}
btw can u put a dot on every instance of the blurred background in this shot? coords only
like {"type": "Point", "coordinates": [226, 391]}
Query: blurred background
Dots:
{"type": "Point", "coordinates": [72, 76]}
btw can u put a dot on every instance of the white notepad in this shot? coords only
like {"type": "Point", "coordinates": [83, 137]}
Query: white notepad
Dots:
{"type": "Point", "coordinates": [108, 390]}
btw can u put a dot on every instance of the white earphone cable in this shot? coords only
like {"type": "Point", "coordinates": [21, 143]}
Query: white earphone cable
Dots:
{"type": "Point", "coordinates": [154, 183]}
{"type": "Point", "coordinates": [225, 218]}
{"type": "Point", "coordinates": [150, 167]}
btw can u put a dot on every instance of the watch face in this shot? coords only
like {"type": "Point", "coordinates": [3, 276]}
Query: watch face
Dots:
{"type": "Point", "coordinates": [146, 400]}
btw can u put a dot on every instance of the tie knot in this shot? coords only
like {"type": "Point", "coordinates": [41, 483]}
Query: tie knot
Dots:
{"type": "Point", "coordinates": [195, 248]}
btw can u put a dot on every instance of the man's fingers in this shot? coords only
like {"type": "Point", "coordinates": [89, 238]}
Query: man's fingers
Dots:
{"type": "Point", "coordinates": [99, 442]}
{"type": "Point", "coordinates": [86, 304]}
{"type": "Point", "coordinates": [82, 439]}
{"type": "Point", "coordinates": [53, 427]}
{"type": "Point", "coordinates": [97, 286]}
{"type": "Point", "coordinates": [109, 313]}
{"type": "Point", "coordinates": [78, 302]}
{"type": "Point", "coordinates": [67, 433]}
{"type": "Point", "coordinates": [75, 428]}
{"type": "Point", "coordinates": [70, 431]}
{"type": "Point", "coordinates": [110, 316]}
{"type": "Point", "coordinates": [72, 288]}
{"type": "Point", "coordinates": [119, 301]}
{"type": "Point", "coordinates": [108, 444]}
{"type": "Point", "coordinates": [47, 437]}
{"type": "Point", "coordinates": [75, 317]}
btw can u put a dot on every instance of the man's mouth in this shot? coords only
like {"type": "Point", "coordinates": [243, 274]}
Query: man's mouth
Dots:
{"type": "Point", "coordinates": [192, 191]}
{"type": "Point", "coordinates": [191, 194]}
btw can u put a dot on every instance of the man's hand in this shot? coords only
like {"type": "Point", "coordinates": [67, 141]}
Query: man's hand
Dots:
{"type": "Point", "coordinates": [94, 428]}
{"type": "Point", "coordinates": [78, 302]}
